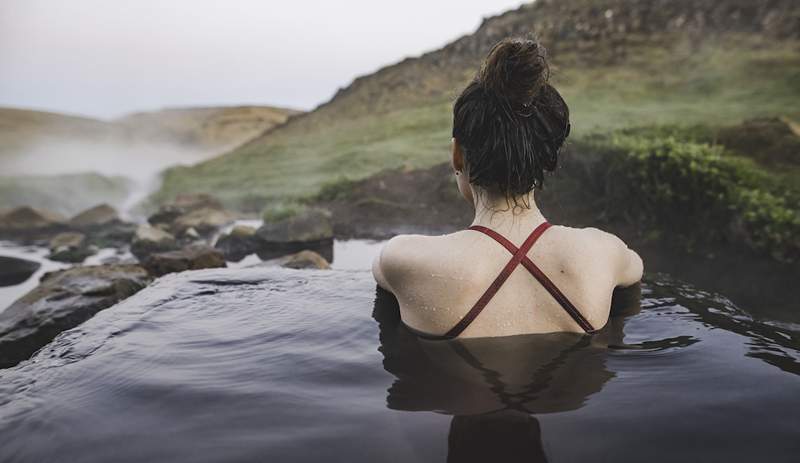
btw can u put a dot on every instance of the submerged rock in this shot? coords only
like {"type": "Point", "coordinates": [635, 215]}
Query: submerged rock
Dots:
{"type": "Point", "coordinates": [305, 260]}
{"type": "Point", "coordinates": [149, 240]}
{"type": "Point", "coordinates": [63, 300]}
{"type": "Point", "coordinates": [14, 270]}
{"type": "Point", "coordinates": [194, 257]}
{"type": "Point", "coordinates": [310, 230]}
{"type": "Point", "coordinates": [239, 243]}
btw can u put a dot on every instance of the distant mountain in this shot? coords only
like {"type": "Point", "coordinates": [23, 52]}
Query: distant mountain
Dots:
{"type": "Point", "coordinates": [617, 62]}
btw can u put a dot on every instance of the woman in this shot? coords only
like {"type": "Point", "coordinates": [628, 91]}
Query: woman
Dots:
{"type": "Point", "coordinates": [510, 272]}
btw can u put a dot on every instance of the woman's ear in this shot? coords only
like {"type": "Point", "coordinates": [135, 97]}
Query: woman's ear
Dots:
{"type": "Point", "coordinates": [458, 157]}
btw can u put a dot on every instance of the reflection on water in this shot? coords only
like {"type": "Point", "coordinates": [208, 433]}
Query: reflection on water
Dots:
{"type": "Point", "coordinates": [493, 387]}
{"type": "Point", "coordinates": [270, 364]}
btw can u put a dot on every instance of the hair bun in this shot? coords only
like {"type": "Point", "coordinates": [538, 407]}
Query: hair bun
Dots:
{"type": "Point", "coordinates": [515, 70]}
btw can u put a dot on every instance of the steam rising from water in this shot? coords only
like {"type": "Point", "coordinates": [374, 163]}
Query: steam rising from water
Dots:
{"type": "Point", "coordinates": [139, 162]}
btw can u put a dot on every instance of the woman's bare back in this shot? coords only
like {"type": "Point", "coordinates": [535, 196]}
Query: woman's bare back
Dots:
{"type": "Point", "coordinates": [437, 279]}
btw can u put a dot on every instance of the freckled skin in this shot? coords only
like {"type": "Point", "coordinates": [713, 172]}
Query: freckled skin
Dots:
{"type": "Point", "coordinates": [437, 279]}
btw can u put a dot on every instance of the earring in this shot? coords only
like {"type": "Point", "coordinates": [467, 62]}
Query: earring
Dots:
{"type": "Point", "coordinates": [458, 172]}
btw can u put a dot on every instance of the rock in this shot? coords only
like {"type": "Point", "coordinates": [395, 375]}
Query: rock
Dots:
{"type": "Point", "coordinates": [204, 220]}
{"type": "Point", "coordinates": [193, 201]}
{"type": "Point", "coordinates": [191, 234]}
{"type": "Point", "coordinates": [193, 257]}
{"type": "Point", "coordinates": [304, 260]}
{"type": "Point", "coordinates": [165, 215]}
{"type": "Point", "coordinates": [30, 224]}
{"type": "Point", "coordinates": [14, 270]}
{"type": "Point", "coordinates": [113, 234]}
{"type": "Point", "coordinates": [201, 212]}
{"type": "Point", "coordinates": [239, 243]}
{"type": "Point", "coordinates": [63, 300]}
{"type": "Point", "coordinates": [69, 247]}
{"type": "Point", "coordinates": [311, 229]}
{"type": "Point", "coordinates": [98, 215]}
{"type": "Point", "coordinates": [149, 240]}
{"type": "Point", "coordinates": [67, 240]}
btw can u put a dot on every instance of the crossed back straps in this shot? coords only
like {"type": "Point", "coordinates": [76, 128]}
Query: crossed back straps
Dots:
{"type": "Point", "coordinates": [518, 256]}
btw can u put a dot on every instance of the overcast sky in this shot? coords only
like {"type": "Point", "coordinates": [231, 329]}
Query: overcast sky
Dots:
{"type": "Point", "coordinates": [104, 58]}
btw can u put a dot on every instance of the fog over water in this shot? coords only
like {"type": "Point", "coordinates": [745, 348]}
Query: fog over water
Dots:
{"type": "Point", "coordinates": [104, 59]}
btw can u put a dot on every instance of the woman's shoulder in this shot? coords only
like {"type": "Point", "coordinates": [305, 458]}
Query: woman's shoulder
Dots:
{"type": "Point", "coordinates": [603, 248]}
{"type": "Point", "coordinates": [405, 256]}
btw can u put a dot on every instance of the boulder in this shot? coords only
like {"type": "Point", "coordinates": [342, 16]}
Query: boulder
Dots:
{"type": "Point", "coordinates": [311, 229]}
{"type": "Point", "coordinates": [238, 244]}
{"type": "Point", "coordinates": [95, 216]}
{"type": "Point", "coordinates": [30, 224]}
{"type": "Point", "coordinates": [305, 260]}
{"type": "Point", "coordinates": [200, 212]}
{"type": "Point", "coordinates": [113, 234]}
{"type": "Point", "coordinates": [192, 201]}
{"type": "Point", "coordinates": [14, 270]}
{"type": "Point", "coordinates": [194, 257]}
{"type": "Point", "coordinates": [165, 215]}
{"type": "Point", "coordinates": [148, 240]}
{"type": "Point", "coordinates": [69, 247]}
{"type": "Point", "coordinates": [63, 300]}
{"type": "Point", "coordinates": [67, 240]}
{"type": "Point", "coordinates": [204, 220]}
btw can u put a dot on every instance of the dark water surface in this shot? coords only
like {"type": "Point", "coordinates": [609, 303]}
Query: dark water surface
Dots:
{"type": "Point", "coordinates": [282, 365]}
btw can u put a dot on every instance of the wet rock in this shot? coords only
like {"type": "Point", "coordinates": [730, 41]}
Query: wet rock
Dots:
{"type": "Point", "coordinates": [309, 230]}
{"type": "Point", "coordinates": [239, 243]}
{"type": "Point", "coordinates": [204, 220]}
{"type": "Point", "coordinates": [113, 234]}
{"type": "Point", "coordinates": [29, 224]}
{"type": "Point", "coordinates": [191, 234]}
{"type": "Point", "coordinates": [306, 260]}
{"type": "Point", "coordinates": [201, 212]}
{"type": "Point", "coordinates": [98, 215]}
{"type": "Point", "coordinates": [193, 257]}
{"type": "Point", "coordinates": [14, 270]}
{"type": "Point", "coordinates": [63, 300]}
{"type": "Point", "coordinates": [193, 201]}
{"type": "Point", "coordinates": [69, 247]}
{"type": "Point", "coordinates": [149, 240]}
{"type": "Point", "coordinates": [165, 215]}
{"type": "Point", "coordinates": [67, 240]}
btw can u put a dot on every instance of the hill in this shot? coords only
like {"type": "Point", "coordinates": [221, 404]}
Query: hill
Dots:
{"type": "Point", "coordinates": [618, 63]}
{"type": "Point", "coordinates": [67, 163]}
{"type": "Point", "coordinates": [216, 128]}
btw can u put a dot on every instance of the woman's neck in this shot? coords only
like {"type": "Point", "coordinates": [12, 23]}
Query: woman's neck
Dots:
{"type": "Point", "coordinates": [496, 212]}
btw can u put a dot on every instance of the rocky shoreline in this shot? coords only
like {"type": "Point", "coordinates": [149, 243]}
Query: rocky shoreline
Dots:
{"type": "Point", "coordinates": [179, 236]}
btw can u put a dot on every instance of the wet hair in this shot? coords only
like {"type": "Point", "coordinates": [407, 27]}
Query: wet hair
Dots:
{"type": "Point", "coordinates": [509, 121]}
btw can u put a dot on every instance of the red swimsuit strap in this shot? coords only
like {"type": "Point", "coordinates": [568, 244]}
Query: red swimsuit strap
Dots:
{"type": "Point", "coordinates": [516, 259]}
{"type": "Point", "coordinates": [537, 273]}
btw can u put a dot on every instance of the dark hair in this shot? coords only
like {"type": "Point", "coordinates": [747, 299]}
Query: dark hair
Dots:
{"type": "Point", "coordinates": [509, 121]}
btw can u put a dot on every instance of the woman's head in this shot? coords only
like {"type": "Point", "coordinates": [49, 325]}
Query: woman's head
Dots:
{"type": "Point", "coordinates": [509, 122]}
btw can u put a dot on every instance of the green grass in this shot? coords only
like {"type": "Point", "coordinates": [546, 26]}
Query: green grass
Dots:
{"type": "Point", "coordinates": [702, 192]}
{"type": "Point", "coordinates": [714, 85]}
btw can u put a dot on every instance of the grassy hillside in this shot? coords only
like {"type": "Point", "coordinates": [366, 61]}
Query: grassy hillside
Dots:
{"type": "Point", "coordinates": [618, 63]}
{"type": "Point", "coordinates": [207, 128]}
